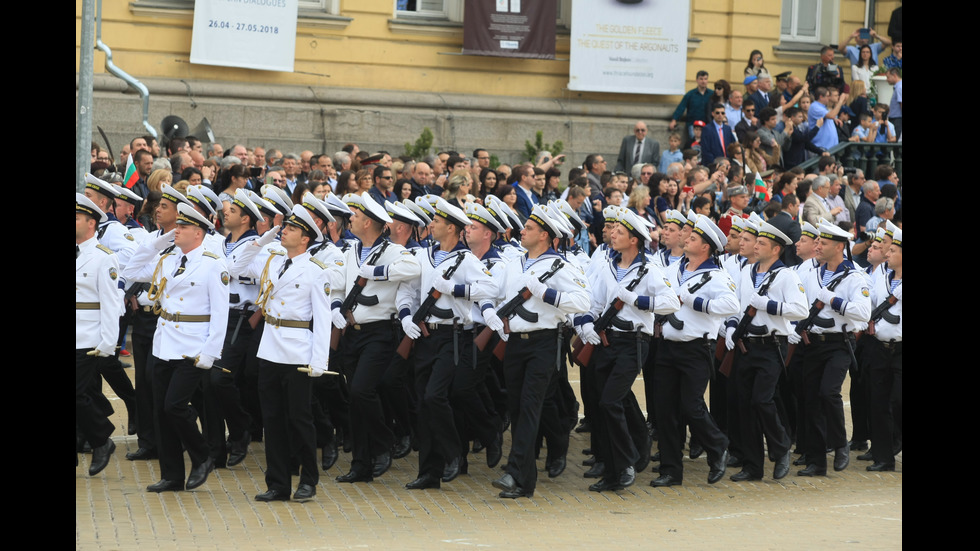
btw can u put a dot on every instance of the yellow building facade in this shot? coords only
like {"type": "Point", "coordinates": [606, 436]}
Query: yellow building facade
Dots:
{"type": "Point", "coordinates": [370, 73]}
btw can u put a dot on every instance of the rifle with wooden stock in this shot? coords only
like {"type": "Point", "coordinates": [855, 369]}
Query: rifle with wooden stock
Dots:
{"type": "Point", "coordinates": [815, 308]}
{"type": "Point", "coordinates": [350, 301]}
{"type": "Point", "coordinates": [405, 347]}
{"type": "Point", "coordinates": [584, 352]}
{"type": "Point", "coordinates": [510, 309]}
{"type": "Point", "coordinates": [743, 327]}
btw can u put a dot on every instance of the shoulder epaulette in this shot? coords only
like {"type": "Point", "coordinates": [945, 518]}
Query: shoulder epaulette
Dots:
{"type": "Point", "coordinates": [276, 252]}
{"type": "Point", "coordinates": [318, 263]}
{"type": "Point", "coordinates": [104, 249]}
{"type": "Point", "coordinates": [211, 254]}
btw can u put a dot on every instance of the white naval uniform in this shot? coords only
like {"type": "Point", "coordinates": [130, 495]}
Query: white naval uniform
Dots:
{"type": "Point", "coordinates": [715, 301]}
{"type": "Point", "coordinates": [787, 299]}
{"type": "Point", "coordinates": [96, 274]}
{"type": "Point", "coordinates": [853, 305]}
{"type": "Point", "coordinates": [113, 234]}
{"type": "Point", "coordinates": [202, 289]}
{"type": "Point", "coordinates": [472, 283]}
{"type": "Point", "coordinates": [396, 268]}
{"type": "Point", "coordinates": [568, 291]}
{"type": "Point", "coordinates": [655, 295]}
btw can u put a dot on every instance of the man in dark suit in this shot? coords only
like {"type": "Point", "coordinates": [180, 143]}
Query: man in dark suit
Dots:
{"type": "Point", "coordinates": [786, 222]}
{"type": "Point", "coordinates": [523, 178]}
{"type": "Point", "coordinates": [638, 148]}
{"type": "Point", "coordinates": [764, 96]}
{"type": "Point", "coordinates": [716, 137]}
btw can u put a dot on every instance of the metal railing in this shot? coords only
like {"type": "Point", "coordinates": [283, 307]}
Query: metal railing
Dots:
{"type": "Point", "coordinates": [864, 156]}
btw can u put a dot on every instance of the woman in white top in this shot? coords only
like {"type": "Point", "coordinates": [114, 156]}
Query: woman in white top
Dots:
{"type": "Point", "coordinates": [867, 66]}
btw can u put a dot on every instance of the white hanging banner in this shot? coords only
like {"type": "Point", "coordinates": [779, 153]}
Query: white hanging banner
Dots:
{"type": "Point", "coordinates": [629, 46]}
{"type": "Point", "coordinates": [254, 34]}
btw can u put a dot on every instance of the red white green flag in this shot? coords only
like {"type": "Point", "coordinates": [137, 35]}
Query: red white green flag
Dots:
{"type": "Point", "coordinates": [761, 191]}
{"type": "Point", "coordinates": [131, 176]}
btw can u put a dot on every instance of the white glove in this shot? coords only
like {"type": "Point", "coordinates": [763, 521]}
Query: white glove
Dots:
{"type": "Point", "coordinates": [204, 361]}
{"type": "Point", "coordinates": [793, 337]}
{"type": "Point", "coordinates": [316, 371]}
{"type": "Point", "coordinates": [589, 335]}
{"type": "Point", "coordinates": [100, 353]}
{"type": "Point", "coordinates": [536, 287]}
{"type": "Point", "coordinates": [686, 297]}
{"type": "Point", "coordinates": [897, 293]}
{"type": "Point", "coordinates": [627, 296]}
{"type": "Point", "coordinates": [759, 302]}
{"type": "Point", "coordinates": [411, 328]}
{"type": "Point", "coordinates": [493, 321]}
{"type": "Point", "coordinates": [367, 272]}
{"type": "Point", "coordinates": [268, 237]}
{"type": "Point", "coordinates": [444, 286]}
{"type": "Point", "coordinates": [164, 241]}
{"type": "Point", "coordinates": [729, 341]}
{"type": "Point", "coordinates": [826, 296]}
{"type": "Point", "coordinates": [338, 319]}
{"type": "Point", "coordinates": [503, 336]}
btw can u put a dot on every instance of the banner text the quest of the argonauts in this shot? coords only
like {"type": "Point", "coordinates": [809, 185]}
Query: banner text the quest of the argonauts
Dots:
{"type": "Point", "coordinates": [629, 47]}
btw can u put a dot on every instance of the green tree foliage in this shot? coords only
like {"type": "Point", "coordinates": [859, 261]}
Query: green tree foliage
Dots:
{"type": "Point", "coordinates": [531, 150]}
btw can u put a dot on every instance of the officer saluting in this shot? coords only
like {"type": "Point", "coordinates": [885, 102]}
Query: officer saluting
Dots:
{"type": "Point", "coordinates": [777, 297]}
{"type": "Point", "coordinates": [191, 287]}
{"type": "Point", "coordinates": [534, 340]}
{"type": "Point", "coordinates": [97, 308]}
{"type": "Point", "coordinates": [683, 363]}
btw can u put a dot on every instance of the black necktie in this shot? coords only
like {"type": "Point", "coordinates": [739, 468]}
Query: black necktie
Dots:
{"type": "Point", "coordinates": [77, 252]}
{"type": "Point", "coordinates": [183, 262]}
{"type": "Point", "coordinates": [285, 266]}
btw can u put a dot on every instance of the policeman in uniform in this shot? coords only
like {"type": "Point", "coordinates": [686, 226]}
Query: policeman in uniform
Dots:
{"type": "Point", "coordinates": [642, 291]}
{"type": "Point", "coordinates": [190, 285]}
{"type": "Point", "coordinates": [777, 295]}
{"type": "Point", "coordinates": [97, 308]}
{"type": "Point", "coordinates": [683, 364]}
{"type": "Point", "coordinates": [534, 341]}
{"type": "Point", "coordinates": [145, 315]}
{"type": "Point", "coordinates": [296, 290]}
{"type": "Point", "coordinates": [844, 292]}
{"type": "Point", "coordinates": [369, 337]}
{"type": "Point", "coordinates": [453, 274]}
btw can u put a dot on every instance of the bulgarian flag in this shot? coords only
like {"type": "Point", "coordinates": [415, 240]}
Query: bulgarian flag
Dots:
{"type": "Point", "coordinates": [129, 180]}
{"type": "Point", "coordinates": [761, 191]}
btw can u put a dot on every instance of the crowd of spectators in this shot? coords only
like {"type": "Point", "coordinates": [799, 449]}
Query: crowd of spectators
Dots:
{"type": "Point", "coordinates": [767, 126]}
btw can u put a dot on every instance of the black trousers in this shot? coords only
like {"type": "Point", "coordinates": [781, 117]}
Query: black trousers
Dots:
{"type": "Point", "coordinates": [435, 368]}
{"type": "Point", "coordinates": [222, 398]}
{"type": "Point", "coordinates": [758, 374]}
{"type": "Point", "coordinates": [285, 394]}
{"type": "Point", "coordinates": [824, 368]}
{"type": "Point", "coordinates": [860, 396]}
{"type": "Point", "coordinates": [884, 368]}
{"type": "Point", "coordinates": [681, 377]}
{"type": "Point", "coordinates": [616, 368]}
{"type": "Point", "coordinates": [474, 419]}
{"type": "Point", "coordinates": [367, 353]}
{"type": "Point", "coordinates": [174, 383]}
{"type": "Point", "coordinates": [529, 366]}
{"type": "Point", "coordinates": [144, 325]}
{"type": "Point", "coordinates": [89, 418]}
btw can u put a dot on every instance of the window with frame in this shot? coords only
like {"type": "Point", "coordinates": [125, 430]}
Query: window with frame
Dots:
{"type": "Point", "coordinates": [422, 8]}
{"type": "Point", "coordinates": [800, 20]}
